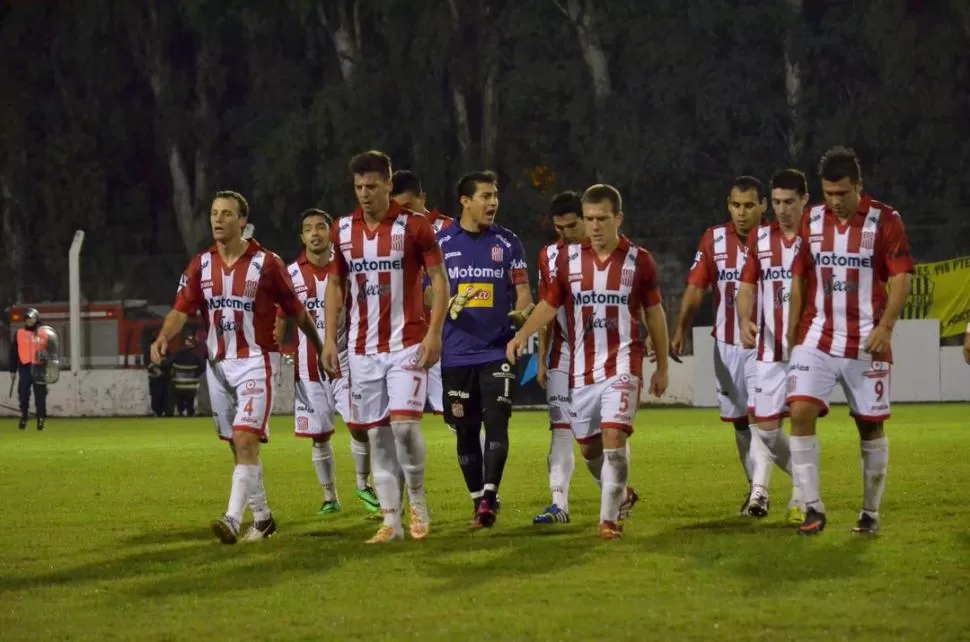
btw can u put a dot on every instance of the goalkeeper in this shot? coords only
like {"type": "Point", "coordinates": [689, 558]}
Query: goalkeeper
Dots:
{"type": "Point", "coordinates": [490, 295]}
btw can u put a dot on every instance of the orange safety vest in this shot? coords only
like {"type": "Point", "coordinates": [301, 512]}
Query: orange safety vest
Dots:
{"type": "Point", "coordinates": [30, 345]}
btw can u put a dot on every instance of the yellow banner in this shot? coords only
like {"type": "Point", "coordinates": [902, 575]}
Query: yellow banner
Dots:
{"type": "Point", "coordinates": [941, 291]}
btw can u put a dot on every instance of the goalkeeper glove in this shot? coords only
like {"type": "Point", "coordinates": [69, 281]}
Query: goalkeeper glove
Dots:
{"type": "Point", "coordinates": [458, 302]}
{"type": "Point", "coordinates": [519, 316]}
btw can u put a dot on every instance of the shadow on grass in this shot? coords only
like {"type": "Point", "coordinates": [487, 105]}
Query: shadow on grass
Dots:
{"type": "Point", "coordinates": [765, 553]}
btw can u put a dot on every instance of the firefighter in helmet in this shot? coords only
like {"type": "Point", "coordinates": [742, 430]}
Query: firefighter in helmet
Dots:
{"type": "Point", "coordinates": [26, 359]}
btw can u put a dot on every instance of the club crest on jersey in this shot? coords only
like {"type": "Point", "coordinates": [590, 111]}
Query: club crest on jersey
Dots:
{"type": "Point", "coordinates": [397, 242]}
{"type": "Point", "coordinates": [868, 240]}
{"type": "Point", "coordinates": [626, 277]}
{"type": "Point", "coordinates": [250, 290]}
{"type": "Point", "coordinates": [497, 254]}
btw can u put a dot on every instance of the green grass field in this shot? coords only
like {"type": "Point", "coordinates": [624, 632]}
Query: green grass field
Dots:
{"type": "Point", "coordinates": [105, 537]}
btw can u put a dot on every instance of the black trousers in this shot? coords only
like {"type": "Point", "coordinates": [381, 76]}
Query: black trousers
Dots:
{"type": "Point", "coordinates": [158, 390]}
{"type": "Point", "coordinates": [25, 382]}
{"type": "Point", "coordinates": [473, 392]}
{"type": "Point", "coordinates": [185, 402]}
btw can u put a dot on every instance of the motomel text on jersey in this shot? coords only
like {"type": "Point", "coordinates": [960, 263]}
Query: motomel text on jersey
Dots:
{"type": "Point", "coordinates": [375, 265]}
{"type": "Point", "coordinates": [601, 298]}
{"type": "Point", "coordinates": [776, 274]}
{"type": "Point", "coordinates": [314, 304]}
{"type": "Point", "coordinates": [229, 303]}
{"type": "Point", "coordinates": [832, 259]}
{"type": "Point", "coordinates": [455, 273]}
{"type": "Point", "coordinates": [729, 275]}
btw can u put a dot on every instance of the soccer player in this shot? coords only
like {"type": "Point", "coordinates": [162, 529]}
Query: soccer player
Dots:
{"type": "Point", "coordinates": [489, 283]}
{"type": "Point", "coordinates": [766, 284]}
{"type": "Point", "coordinates": [717, 265]}
{"type": "Point", "coordinates": [381, 251]}
{"type": "Point", "coordinates": [238, 284]}
{"type": "Point", "coordinates": [317, 398]}
{"type": "Point", "coordinates": [407, 191]}
{"type": "Point", "coordinates": [604, 283]}
{"type": "Point", "coordinates": [566, 213]}
{"type": "Point", "coordinates": [841, 324]}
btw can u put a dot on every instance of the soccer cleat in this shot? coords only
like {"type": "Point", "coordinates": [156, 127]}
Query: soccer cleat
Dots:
{"type": "Point", "coordinates": [226, 529]}
{"type": "Point", "coordinates": [627, 506]}
{"type": "Point", "coordinates": [551, 515]}
{"type": "Point", "coordinates": [485, 516]}
{"type": "Point", "coordinates": [814, 523]}
{"type": "Point", "coordinates": [40, 423]}
{"type": "Point", "coordinates": [758, 505]}
{"type": "Point", "coordinates": [385, 535]}
{"type": "Point", "coordinates": [368, 498]}
{"type": "Point", "coordinates": [610, 530]}
{"type": "Point", "coordinates": [867, 525]}
{"type": "Point", "coordinates": [23, 423]}
{"type": "Point", "coordinates": [794, 516]}
{"type": "Point", "coordinates": [329, 508]}
{"type": "Point", "coordinates": [260, 530]}
{"type": "Point", "coordinates": [418, 521]}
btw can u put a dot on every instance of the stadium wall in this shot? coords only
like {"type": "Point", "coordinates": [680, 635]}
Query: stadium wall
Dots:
{"type": "Point", "coordinates": [924, 372]}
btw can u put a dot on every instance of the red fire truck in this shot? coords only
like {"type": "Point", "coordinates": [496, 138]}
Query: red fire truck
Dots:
{"type": "Point", "coordinates": [116, 334]}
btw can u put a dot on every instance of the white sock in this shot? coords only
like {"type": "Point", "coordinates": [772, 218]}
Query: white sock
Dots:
{"type": "Point", "coordinates": [595, 467]}
{"type": "Point", "coordinates": [360, 451]}
{"type": "Point", "coordinates": [411, 455]}
{"type": "Point", "coordinates": [760, 459]}
{"type": "Point", "coordinates": [383, 456]}
{"type": "Point", "coordinates": [875, 463]}
{"type": "Point", "coordinates": [562, 463]}
{"type": "Point", "coordinates": [257, 495]}
{"type": "Point", "coordinates": [776, 441]}
{"type": "Point", "coordinates": [804, 460]}
{"type": "Point", "coordinates": [322, 457]}
{"type": "Point", "coordinates": [239, 495]}
{"type": "Point", "coordinates": [743, 440]}
{"type": "Point", "coordinates": [616, 471]}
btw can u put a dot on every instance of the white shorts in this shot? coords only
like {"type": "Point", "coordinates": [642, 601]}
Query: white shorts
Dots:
{"type": "Point", "coordinates": [771, 390]}
{"type": "Point", "coordinates": [609, 404]}
{"type": "Point", "coordinates": [557, 398]}
{"type": "Point", "coordinates": [315, 405]}
{"type": "Point", "coordinates": [241, 394]}
{"type": "Point", "coordinates": [734, 377]}
{"type": "Point", "coordinates": [812, 375]}
{"type": "Point", "coordinates": [435, 390]}
{"type": "Point", "coordinates": [385, 384]}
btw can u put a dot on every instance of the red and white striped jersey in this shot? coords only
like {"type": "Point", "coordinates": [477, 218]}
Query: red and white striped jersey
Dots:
{"type": "Point", "coordinates": [559, 347]}
{"type": "Point", "coordinates": [439, 221]}
{"type": "Point", "coordinates": [239, 301]}
{"type": "Point", "coordinates": [768, 268]}
{"type": "Point", "coordinates": [310, 285]}
{"type": "Point", "coordinates": [383, 269]}
{"type": "Point", "coordinates": [717, 264]}
{"type": "Point", "coordinates": [603, 300]}
{"type": "Point", "coordinates": [847, 265]}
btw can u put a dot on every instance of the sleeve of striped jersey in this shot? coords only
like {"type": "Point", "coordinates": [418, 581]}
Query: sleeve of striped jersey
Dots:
{"type": "Point", "coordinates": [543, 262]}
{"type": "Point", "coordinates": [752, 266]}
{"type": "Point", "coordinates": [556, 288]}
{"type": "Point", "coordinates": [801, 265]}
{"type": "Point", "coordinates": [283, 293]}
{"type": "Point", "coordinates": [188, 298]}
{"type": "Point", "coordinates": [649, 288]}
{"type": "Point", "coordinates": [425, 242]}
{"type": "Point", "coordinates": [518, 268]}
{"type": "Point", "coordinates": [337, 265]}
{"type": "Point", "coordinates": [702, 271]}
{"type": "Point", "coordinates": [895, 247]}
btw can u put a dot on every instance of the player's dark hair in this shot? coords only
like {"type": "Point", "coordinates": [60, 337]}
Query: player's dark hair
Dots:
{"type": "Point", "coordinates": [838, 163]}
{"type": "Point", "coordinates": [565, 203]}
{"type": "Point", "coordinates": [468, 184]}
{"type": "Point", "coordinates": [404, 180]}
{"type": "Point", "coordinates": [748, 183]}
{"type": "Point", "coordinates": [601, 193]}
{"type": "Point", "coordinates": [305, 214]}
{"type": "Point", "coordinates": [236, 196]}
{"type": "Point", "coordinates": [372, 161]}
{"type": "Point", "coordinates": [792, 179]}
